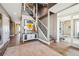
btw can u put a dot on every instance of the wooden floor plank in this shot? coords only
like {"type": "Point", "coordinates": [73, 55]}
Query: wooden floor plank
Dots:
{"type": "Point", "coordinates": [34, 48]}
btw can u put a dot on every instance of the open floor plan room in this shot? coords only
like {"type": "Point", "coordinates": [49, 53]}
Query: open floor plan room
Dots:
{"type": "Point", "coordinates": [39, 29]}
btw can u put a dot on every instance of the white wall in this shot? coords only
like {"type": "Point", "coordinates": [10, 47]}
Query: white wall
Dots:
{"type": "Point", "coordinates": [5, 29]}
{"type": "Point", "coordinates": [5, 26]}
{"type": "Point", "coordinates": [53, 25]}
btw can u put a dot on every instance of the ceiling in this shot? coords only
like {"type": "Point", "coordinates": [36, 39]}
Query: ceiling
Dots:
{"type": "Point", "coordinates": [59, 7]}
{"type": "Point", "coordinates": [14, 10]}
{"type": "Point", "coordinates": [50, 5]}
{"type": "Point", "coordinates": [65, 9]}
{"type": "Point", "coordinates": [70, 11]}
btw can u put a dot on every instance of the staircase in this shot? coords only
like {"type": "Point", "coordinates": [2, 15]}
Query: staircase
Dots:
{"type": "Point", "coordinates": [41, 28]}
{"type": "Point", "coordinates": [42, 32]}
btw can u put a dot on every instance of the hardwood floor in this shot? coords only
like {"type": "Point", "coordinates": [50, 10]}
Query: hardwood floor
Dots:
{"type": "Point", "coordinates": [32, 48]}
{"type": "Point", "coordinates": [65, 49]}
{"type": "Point", "coordinates": [62, 48]}
{"type": "Point", "coordinates": [13, 41]}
